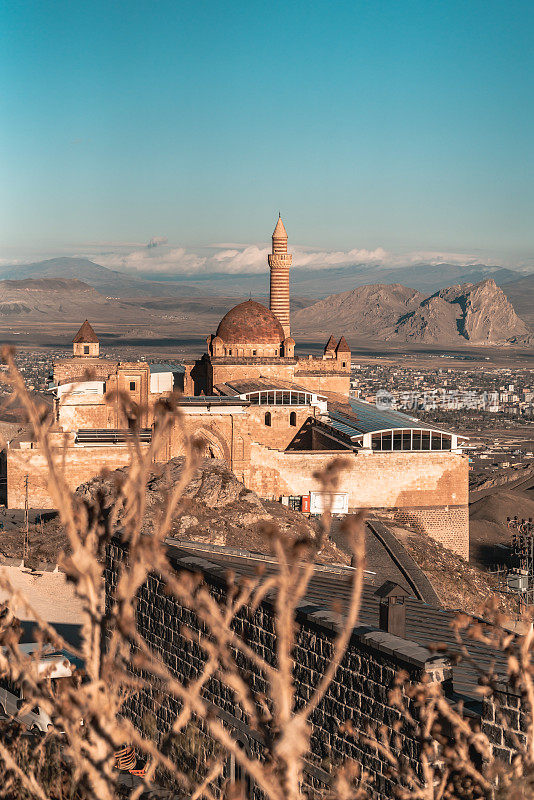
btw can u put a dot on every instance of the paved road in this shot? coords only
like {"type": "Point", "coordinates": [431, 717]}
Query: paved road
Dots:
{"type": "Point", "coordinates": [378, 558]}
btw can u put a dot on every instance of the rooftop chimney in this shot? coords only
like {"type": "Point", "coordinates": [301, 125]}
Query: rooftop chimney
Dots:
{"type": "Point", "coordinates": [392, 608]}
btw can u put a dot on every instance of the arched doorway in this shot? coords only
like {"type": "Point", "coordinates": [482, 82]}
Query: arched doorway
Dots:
{"type": "Point", "coordinates": [211, 445]}
{"type": "Point", "coordinates": [210, 450]}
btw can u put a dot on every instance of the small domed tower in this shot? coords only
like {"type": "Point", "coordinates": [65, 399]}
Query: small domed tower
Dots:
{"type": "Point", "coordinates": [217, 346]}
{"type": "Point", "coordinates": [85, 344]}
{"type": "Point", "coordinates": [289, 347]}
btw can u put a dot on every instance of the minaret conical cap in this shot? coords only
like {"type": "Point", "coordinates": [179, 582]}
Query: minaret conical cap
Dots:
{"type": "Point", "coordinates": [279, 231]}
{"type": "Point", "coordinates": [86, 334]}
{"type": "Point", "coordinates": [342, 346]}
{"type": "Point", "coordinates": [330, 345]}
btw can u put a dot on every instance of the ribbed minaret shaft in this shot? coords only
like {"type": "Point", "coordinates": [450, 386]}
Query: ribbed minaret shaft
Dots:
{"type": "Point", "coordinates": [279, 264]}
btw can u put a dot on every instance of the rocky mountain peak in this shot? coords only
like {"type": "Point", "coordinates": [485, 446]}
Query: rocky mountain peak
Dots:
{"type": "Point", "coordinates": [487, 316]}
{"type": "Point", "coordinates": [477, 312]}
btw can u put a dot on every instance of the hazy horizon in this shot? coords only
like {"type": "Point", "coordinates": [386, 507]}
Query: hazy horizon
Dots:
{"type": "Point", "coordinates": [160, 260]}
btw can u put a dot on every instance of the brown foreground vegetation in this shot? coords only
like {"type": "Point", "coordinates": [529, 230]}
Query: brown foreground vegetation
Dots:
{"type": "Point", "coordinates": [77, 761]}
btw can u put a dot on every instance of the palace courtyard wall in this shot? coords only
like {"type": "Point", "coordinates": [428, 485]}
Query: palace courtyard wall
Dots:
{"type": "Point", "coordinates": [78, 464]}
{"type": "Point", "coordinates": [426, 489]}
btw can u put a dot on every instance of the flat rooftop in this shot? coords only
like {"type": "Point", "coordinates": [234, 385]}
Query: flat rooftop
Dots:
{"type": "Point", "coordinates": [178, 369]}
{"type": "Point", "coordinates": [263, 385]}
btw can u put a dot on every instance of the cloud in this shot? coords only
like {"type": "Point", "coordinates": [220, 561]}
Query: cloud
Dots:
{"type": "Point", "coordinates": [323, 259]}
{"type": "Point", "coordinates": [165, 261]}
{"type": "Point", "coordinates": [157, 257]}
{"type": "Point", "coordinates": [249, 259]}
{"type": "Point", "coordinates": [11, 262]}
{"type": "Point", "coordinates": [157, 241]}
{"type": "Point", "coordinates": [238, 259]}
{"type": "Point", "coordinates": [440, 257]}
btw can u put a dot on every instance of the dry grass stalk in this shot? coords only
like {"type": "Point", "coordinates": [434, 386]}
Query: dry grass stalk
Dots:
{"type": "Point", "coordinates": [451, 749]}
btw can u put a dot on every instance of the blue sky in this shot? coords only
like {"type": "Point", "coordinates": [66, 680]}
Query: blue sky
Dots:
{"type": "Point", "coordinates": [397, 127]}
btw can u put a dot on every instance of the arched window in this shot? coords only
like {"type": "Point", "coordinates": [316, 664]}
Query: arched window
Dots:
{"type": "Point", "coordinates": [293, 418]}
{"type": "Point", "coordinates": [268, 419]}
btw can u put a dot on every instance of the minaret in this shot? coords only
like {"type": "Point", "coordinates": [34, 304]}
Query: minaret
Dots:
{"type": "Point", "coordinates": [279, 263]}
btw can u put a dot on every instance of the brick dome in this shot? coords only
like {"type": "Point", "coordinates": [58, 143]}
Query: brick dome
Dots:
{"type": "Point", "coordinates": [250, 322]}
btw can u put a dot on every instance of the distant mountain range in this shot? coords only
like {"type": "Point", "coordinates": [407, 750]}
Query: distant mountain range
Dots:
{"type": "Point", "coordinates": [305, 283]}
{"type": "Point", "coordinates": [109, 282]}
{"type": "Point", "coordinates": [58, 300]}
{"type": "Point", "coordinates": [66, 289]}
{"type": "Point", "coordinates": [71, 300]}
{"type": "Point", "coordinates": [477, 313]}
{"type": "Point", "coordinates": [521, 295]}
{"type": "Point", "coordinates": [424, 277]}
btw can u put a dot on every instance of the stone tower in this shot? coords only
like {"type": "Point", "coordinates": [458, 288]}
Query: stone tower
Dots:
{"type": "Point", "coordinates": [279, 264]}
{"type": "Point", "coordinates": [86, 343]}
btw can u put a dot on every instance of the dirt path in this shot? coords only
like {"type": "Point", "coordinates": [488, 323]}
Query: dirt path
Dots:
{"type": "Point", "coordinates": [47, 592]}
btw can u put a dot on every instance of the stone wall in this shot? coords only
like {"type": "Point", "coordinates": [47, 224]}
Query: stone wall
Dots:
{"type": "Point", "coordinates": [446, 524]}
{"type": "Point", "coordinates": [80, 464]}
{"type": "Point", "coordinates": [280, 433]}
{"type": "Point", "coordinates": [505, 721]}
{"type": "Point", "coordinates": [323, 364]}
{"type": "Point", "coordinates": [324, 382]}
{"type": "Point", "coordinates": [428, 489]}
{"type": "Point", "coordinates": [317, 374]}
{"type": "Point", "coordinates": [228, 369]}
{"type": "Point", "coordinates": [359, 691]}
{"type": "Point", "coordinates": [90, 412]}
{"type": "Point", "coordinates": [125, 379]}
{"type": "Point", "coordinates": [230, 436]}
{"type": "Point", "coordinates": [81, 369]}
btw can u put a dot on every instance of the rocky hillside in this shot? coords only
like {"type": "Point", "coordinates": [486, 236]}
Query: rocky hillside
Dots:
{"type": "Point", "coordinates": [459, 585]}
{"type": "Point", "coordinates": [216, 509]}
{"type": "Point", "coordinates": [485, 313]}
{"type": "Point", "coordinates": [477, 313]}
{"type": "Point", "coordinates": [362, 311]}
{"type": "Point", "coordinates": [108, 282]}
{"type": "Point", "coordinates": [488, 522]}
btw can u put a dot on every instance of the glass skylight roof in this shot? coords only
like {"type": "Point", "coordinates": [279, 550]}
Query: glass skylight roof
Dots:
{"type": "Point", "coordinates": [341, 427]}
{"type": "Point", "coordinates": [371, 419]}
